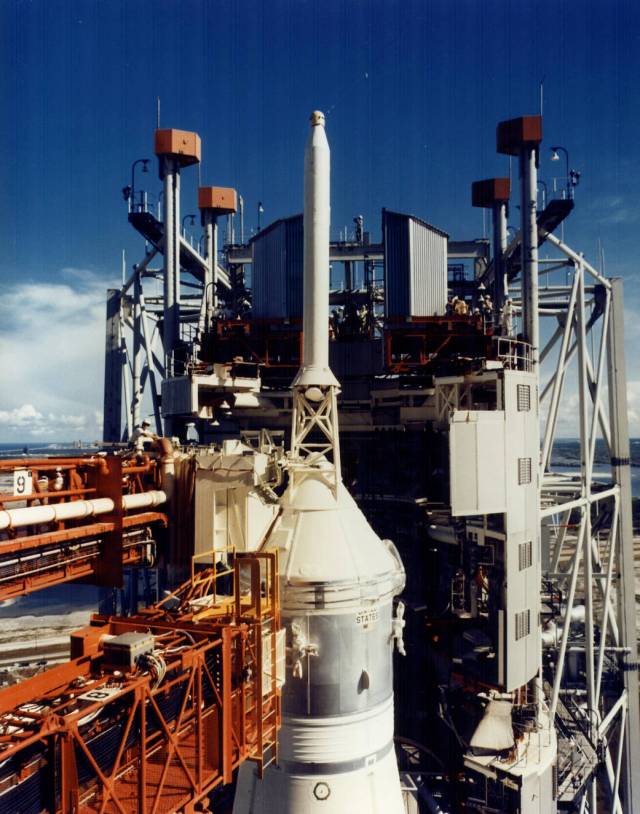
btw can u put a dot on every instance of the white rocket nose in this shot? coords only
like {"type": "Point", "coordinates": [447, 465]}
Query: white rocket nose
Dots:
{"type": "Point", "coordinates": [317, 219]}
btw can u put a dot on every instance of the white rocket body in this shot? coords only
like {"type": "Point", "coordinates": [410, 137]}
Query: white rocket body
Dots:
{"type": "Point", "coordinates": [338, 581]}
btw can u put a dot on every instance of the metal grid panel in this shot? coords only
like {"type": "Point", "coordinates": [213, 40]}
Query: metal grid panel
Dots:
{"type": "Point", "coordinates": [524, 398]}
{"type": "Point", "coordinates": [524, 471]}
{"type": "Point", "coordinates": [525, 555]}
{"type": "Point", "coordinates": [523, 624]}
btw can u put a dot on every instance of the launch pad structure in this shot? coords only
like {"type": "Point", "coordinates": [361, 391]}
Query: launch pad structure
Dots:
{"type": "Point", "coordinates": [512, 649]}
{"type": "Point", "coordinates": [533, 565]}
{"type": "Point", "coordinates": [448, 425]}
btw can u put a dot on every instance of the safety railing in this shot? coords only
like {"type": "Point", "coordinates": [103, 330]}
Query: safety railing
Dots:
{"type": "Point", "coordinates": [515, 354]}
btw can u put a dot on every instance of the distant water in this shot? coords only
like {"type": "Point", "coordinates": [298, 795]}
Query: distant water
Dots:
{"type": "Point", "coordinates": [42, 449]}
{"type": "Point", "coordinates": [566, 457]}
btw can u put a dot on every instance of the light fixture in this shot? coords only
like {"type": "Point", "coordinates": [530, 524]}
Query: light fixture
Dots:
{"type": "Point", "coordinates": [190, 218]}
{"type": "Point", "coordinates": [145, 168]}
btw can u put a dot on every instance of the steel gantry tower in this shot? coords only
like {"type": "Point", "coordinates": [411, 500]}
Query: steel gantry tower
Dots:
{"type": "Point", "coordinates": [574, 314]}
{"type": "Point", "coordinates": [549, 301]}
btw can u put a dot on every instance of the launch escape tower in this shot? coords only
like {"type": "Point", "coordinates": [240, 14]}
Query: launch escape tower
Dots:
{"type": "Point", "coordinates": [520, 678]}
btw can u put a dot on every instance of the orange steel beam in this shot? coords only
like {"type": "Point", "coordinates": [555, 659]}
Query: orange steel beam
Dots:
{"type": "Point", "coordinates": [41, 561]}
{"type": "Point", "coordinates": [60, 572]}
{"type": "Point", "coordinates": [41, 541]}
{"type": "Point", "coordinates": [76, 549]}
{"type": "Point", "coordinates": [35, 542]}
{"type": "Point", "coordinates": [47, 495]}
{"type": "Point", "coordinates": [159, 736]}
{"type": "Point", "coordinates": [51, 463]}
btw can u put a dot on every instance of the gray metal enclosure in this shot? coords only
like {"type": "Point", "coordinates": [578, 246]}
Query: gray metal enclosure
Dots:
{"type": "Point", "coordinates": [415, 264]}
{"type": "Point", "coordinates": [277, 270]}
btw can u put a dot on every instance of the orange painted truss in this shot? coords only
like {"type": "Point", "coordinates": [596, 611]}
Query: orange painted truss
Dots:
{"type": "Point", "coordinates": [84, 737]}
{"type": "Point", "coordinates": [96, 549]}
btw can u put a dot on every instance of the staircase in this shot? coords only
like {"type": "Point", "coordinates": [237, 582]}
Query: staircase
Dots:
{"type": "Point", "coordinates": [577, 756]}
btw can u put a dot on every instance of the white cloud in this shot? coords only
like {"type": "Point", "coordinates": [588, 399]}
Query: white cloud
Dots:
{"type": "Point", "coordinates": [24, 422]}
{"type": "Point", "coordinates": [52, 361]}
{"type": "Point", "coordinates": [51, 358]}
{"type": "Point", "coordinates": [20, 416]}
{"type": "Point", "coordinates": [568, 424]}
{"type": "Point", "coordinates": [633, 403]}
{"type": "Point", "coordinates": [611, 210]}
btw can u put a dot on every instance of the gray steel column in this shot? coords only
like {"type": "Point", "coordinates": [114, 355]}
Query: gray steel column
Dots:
{"type": "Point", "coordinates": [587, 555]}
{"type": "Point", "coordinates": [178, 232]}
{"type": "Point", "coordinates": [211, 254]}
{"type": "Point", "coordinates": [136, 368]}
{"type": "Point", "coordinates": [171, 322]}
{"type": "Point", "coordinates": [348, 275]}
{"type": "Point", "coordinates": [112, 415]}
{"type": "Point", "coordinates": [620, 462]}
{"type": "Point", "coordinates": [499, 215]}
{"type": "Point", "coordinates": [529, 231]}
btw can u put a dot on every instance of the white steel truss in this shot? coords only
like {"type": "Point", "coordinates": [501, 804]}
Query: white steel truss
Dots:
{"type": "Point", "coordinates": [314, 431]}
{"type": "Point", "coordinates": [141, 352]}
{"type": "Point", "coordinates": [587, 522]}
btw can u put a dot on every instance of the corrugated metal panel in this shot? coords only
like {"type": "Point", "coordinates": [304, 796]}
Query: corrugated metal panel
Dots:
{"type": "Point", "coordinates": [268, 273]}
{"type": "Point", "coordinates": [428, 252]}
{"type": "Point", "coordinates": [277, 270]}
{"type": "Point", "coordinates": [395, 231]}
{"type": "Point", "coordinates": [415, 260]}
{"type": "Point", "coordinates": [295, 266]}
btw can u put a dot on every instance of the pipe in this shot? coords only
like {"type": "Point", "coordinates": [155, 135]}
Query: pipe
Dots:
{"type": "Point", "coordinates": [142, 500]}
{"type": "Point", "coordinates": [76, 509]}
{"type": "Point", "coordinates": [211, 254]}
{"type": "Point", "coordinates": [499, 248]}
{"type": "Point", "coordinates": [136, 371]}
{"type": "Point", "coordinates": [529, 231]}
{"type": "Point", "coordinates": [46, 464]}
{"type": "Point", "coordinates": [171, 325]}
{"type": "Point", "coordinates": [167, 466]}
{"type": "Point", "coordinates": [552, 634]}
{"type": "Point", "coordinates": [47, 495]}
{"type": "Point", "coordinates": [145, 465]}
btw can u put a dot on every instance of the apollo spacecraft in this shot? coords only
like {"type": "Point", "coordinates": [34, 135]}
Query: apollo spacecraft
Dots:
{"type": "Point", "coordinates": [338, 584]}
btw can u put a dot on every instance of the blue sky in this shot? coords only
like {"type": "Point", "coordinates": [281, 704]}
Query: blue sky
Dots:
{"type": "Point", "coordinates": [413, 91]}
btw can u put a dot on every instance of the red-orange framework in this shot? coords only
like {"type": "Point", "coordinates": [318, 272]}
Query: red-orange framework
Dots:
{"type": "Point", "coordinates": [83, 737]}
